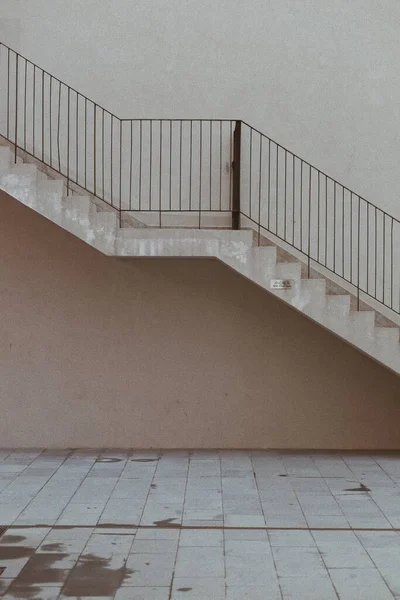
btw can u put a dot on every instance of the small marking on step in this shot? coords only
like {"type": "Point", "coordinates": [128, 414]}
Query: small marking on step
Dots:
{"type": "Point", "coordinates": [281, 284]}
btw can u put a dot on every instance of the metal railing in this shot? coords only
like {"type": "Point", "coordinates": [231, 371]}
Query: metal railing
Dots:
{"type": "Point", "coordinates": [200, 173]}
{"type": "Point", "coordinates": [329, 224]}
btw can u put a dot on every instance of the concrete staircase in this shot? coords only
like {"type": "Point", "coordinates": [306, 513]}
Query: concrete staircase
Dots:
{"type": "Point", "coordinates": [315, 296]}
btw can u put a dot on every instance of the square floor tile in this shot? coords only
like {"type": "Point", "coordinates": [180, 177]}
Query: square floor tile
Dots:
{"type": "Point", "coordinates": [198, 588]}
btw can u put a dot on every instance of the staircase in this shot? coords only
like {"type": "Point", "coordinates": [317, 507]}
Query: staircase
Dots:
{"type": "Point", "coordinates": [273, 218]}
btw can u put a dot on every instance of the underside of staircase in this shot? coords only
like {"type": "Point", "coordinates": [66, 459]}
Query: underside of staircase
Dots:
{"type": "Point", "coordinates": [258, 258]}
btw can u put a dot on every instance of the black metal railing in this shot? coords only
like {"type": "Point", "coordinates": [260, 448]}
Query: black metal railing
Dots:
{"type": "Point", "coordinates": [200, 173]}
{"type": "Point", "coordinates": [329, 224]}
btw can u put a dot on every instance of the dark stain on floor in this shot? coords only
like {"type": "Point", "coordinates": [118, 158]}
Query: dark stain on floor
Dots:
{"type": "Point", "coordinates": [39, 569]}
{"type": "Point", "coordinates": [15, 552]}
{"type": "Point", "coordinates": [12, 539]}
{"type": "Point", "coordinates": [92, 576]}
{"type": "Point", "coordinates": [184, 589]}
{"type": "Point", "coordinates": [144, 459]}
{"type": "Point", "coordinates": [362, 488]}
{"type": "Point", "coordinates": [167, 523]}
{"type": "Point", "coordinates": [25, 592]}
{"type": "Point", "coordinates": [52, 547]}
{"type": "Point", "coordinates": [108, 460]}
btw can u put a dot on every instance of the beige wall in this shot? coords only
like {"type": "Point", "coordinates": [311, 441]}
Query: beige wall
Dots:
{"type": "Point", "coordinates": [97, 351]}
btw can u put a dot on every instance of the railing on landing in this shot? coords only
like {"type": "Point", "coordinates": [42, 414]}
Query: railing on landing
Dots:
{"type": "Point", "coordinates": [200, 173]}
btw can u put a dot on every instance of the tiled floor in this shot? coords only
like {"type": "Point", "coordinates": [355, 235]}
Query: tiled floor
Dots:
{"type": "Point", "coordinates": [201, 525]}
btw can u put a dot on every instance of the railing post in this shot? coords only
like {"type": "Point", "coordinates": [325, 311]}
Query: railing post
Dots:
{"type": "Point", "coordinates": [236, 165]}
{"type": "Point", "coordinates": [16, 109]}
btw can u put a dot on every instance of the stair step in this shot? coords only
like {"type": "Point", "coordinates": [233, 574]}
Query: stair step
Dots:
{"type": "Point", "coordinates": [362, 329]}
{"type": "Point", "coordinates": [338, 305]}
{"type": "Point", "coordinates": [312, 298]}
{"type": "Point", "coordinates": [387, 338]}
{"type": "Point", "coordinates": [78, 208]}
{"type": "Point", "coordinates": [41, 176]}
{"type": "Point", "coordinates": [258, 264]}
{"type": "Point", "coordinates": [49, 198]}
{"type": "Point", "coordinates": [20, 181]}
{"type": "Point", "coordinates": [291, 271]}
{"type": "Point", "coordinates": [337, 314]}
{"type": "Point", "coordinates": [386, 347]}
{"type": "Point", "coordinates": [6, 157]}
{"type": "Point", "coordinates": [288, 270]}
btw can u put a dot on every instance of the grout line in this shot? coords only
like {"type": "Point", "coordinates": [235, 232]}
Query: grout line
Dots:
{"type": "Point", "coordinates": [315, 541]}
{"type": "Point", "coordinates": [171, 586]}
{"type": "Point", "coordinates": [197, 528]}
{"type": "Point", "coordinates": [268, 536]}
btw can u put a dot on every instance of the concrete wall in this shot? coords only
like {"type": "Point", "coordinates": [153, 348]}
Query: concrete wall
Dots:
{"type": "Point", "coordinates": [98, 351]}
{"type": "Point", "coordinates": [320, 77]}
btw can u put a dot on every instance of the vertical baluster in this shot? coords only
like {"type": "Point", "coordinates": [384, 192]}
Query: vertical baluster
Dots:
{"type": "Point", "coordinates": [285, 192]}
{"type": "Point", "coordinates": [8, 93]}
{"type": "Point", "coordinates": [259, 192]}
{"type": "Point", "coordinates": [130, 168]}
{"type": "Point", "coordinates": [220, 165]}
{"type": "Point", "coordinates": [309, 225]}
{"type": "Point", "coordinates": [120, 171]}
{"type": "Point", "coordinates": [33, 111]}
{"type": "Point", "coordinates": [111, 158]}
{"type": "Point", "coordinates": [68, 141]}
{"type": "Point", "coordinates": [140, 161]}
{"type": "Point", "coordinates": [16, 108]}
{"type": "Point", "coordinates": [190, 164]}
{"type": "Point", "coordinates": [102, 153]}
{"type": "Point", "coordinates": [250, 172]}
{"type": "Point", "coordinates": [277, 192]}
{"type": "Point", "coordinates": [201, 168]}
{"type": "Point", "coordinates": [151, 163]}
{"type": "Point", "coordinates": [58, 127]}
{"type": "Point", "coordinates": [95, 149]}
{"type": "Point", "coordinates": [25, 83]}
{"type": "Point", "coordinates": [170, 165]}
{"type": "Point", "coordinates": [358, 253]}
{"type": "Point", "coordinates": [160, 176]}
{"type": "Point", "coordinates": [319, 214]}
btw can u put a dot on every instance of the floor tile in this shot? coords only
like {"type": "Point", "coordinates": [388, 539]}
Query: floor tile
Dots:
{"type": "Point", "coordinates": [360, 584]}
{"type": "Point", "coordinates": [291, 538]}
{"type": "Point", "coordinates": [198, 588]}
{"type": "Point", "coordinates": [199, 562]}
{"type": "Point", "coordinates": [143, 593]}
{"type": "Point", "coordinates": [193, 537]}
{"type": "Point", "coordinates": [154, 570]}
{"type": "Point", "coordinates": [317, 587]}
{"type": "Point", "coordinates": [254, 593]}
{"type": "Point", "coordinates": [295, 562]}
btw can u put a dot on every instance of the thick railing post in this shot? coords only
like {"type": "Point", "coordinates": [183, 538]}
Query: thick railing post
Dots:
{"type": "Point", "coordinates": [237, 142]}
